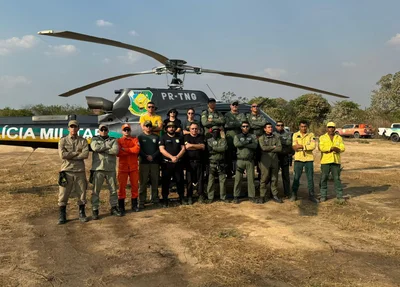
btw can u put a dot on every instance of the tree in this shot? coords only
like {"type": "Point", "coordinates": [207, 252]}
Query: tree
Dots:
{"type": "Point", "coordinates": [346, 112]}
{"type": "Point", "coordinates": [229, 97]}
{"type": "Point", "coordinates": [386, 100]}
{"type": "Point", "coordinates": [311, 107]}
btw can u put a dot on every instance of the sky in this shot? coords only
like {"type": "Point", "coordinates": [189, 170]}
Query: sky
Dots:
{"type": "Point", "coordinates": [340, 46]}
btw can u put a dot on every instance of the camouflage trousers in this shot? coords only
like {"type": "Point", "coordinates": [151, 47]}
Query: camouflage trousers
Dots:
{"type": "Point", "coordinates": [98, 179]}
{"type": "Point", "coordinates": [76, 187]}
{"type": "Point", "coordinates": [216, 170]}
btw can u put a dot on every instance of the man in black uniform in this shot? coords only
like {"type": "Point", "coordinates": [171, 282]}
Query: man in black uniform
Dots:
{"type": "Point", "coordinates": [148, 164]}
{"type": "Point", "coordinates": [285, 156]}
{"type": "Point", "coordinates": [172, 149]}
{"type": "Point", "coordinates": [195, 154]}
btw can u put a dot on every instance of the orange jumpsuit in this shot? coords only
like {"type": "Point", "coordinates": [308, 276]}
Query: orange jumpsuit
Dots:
{"type": "Point", "coordinates": [128, 166]}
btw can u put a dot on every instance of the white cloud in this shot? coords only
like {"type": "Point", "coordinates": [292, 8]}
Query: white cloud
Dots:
{"type": "Point", "coordinates": [274, 72]}
{"type": "Point", "coordinates": [9, 82]}
{"type": "Point", "coordinates": [348, 64]}
{"type": "Point", "coordinates": [61, 50]}
{"type": "Point", "coordinates": [395, 40]}
{"type": "Point", "coordinates": [15, 43]}
{"type": "Point", "coordinates": [103, 23]}
{"type": "Point", "coordinates": [133, 33]}
{"type": "Point", "coordinates": [130, 57]}
{"type": "Point", "coordinates": [106, 60]}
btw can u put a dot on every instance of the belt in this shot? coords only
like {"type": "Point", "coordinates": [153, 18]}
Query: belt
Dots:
{"type": "Point", "coordinates": [195, 160]}
{"type": "Point", "coordinates": [246, 159]}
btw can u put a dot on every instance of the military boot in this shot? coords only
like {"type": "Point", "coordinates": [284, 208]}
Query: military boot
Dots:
{"type": "Point", "coordinates": [63, 215]}
{"type": "Point", "coordinates": [121, 205]}
{"type": "Point", "coordinates": [95, 214]}
{"type": "Point", "coordinates": [135, 206]}
{"type": "Point", "coordinates": [235, 200]}
{"type": "Point", "coordinates": [82, 214]}
{"type": "Point", "coordinates": [293, 197]}
{"type": "Point", "coordinates": [313, 199]}
{"type": "Point", "coordinates": [115, 211]}
{"type": "Point", "coordinates": [190, 200]}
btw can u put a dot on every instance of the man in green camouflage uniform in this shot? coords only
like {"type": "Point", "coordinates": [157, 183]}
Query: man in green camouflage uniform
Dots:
{"type": "Point", "coordinates": [217, 147]}
{"type": "Point", "coordinates": [270, 145]}
{"type": "Point", "coordinates": [246, 145]}
{"type": "Point", "coordinates": [257, 122]}
{"type": "Point", "coordinates": [73, 150]}
{"type": "Point", "coordinates": [104, 164]}
{"type": "Point", "coordinates": [233, 121]}
{"type": "Point", "coordinates": [285, 156]}
{"type": "Point", "coordinates": [211, 117]}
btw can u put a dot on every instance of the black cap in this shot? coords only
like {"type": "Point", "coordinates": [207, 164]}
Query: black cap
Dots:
{"type": "Point", "coordinates": [235, 103]}
{"type": "Point", "coordinates": [211, 100]}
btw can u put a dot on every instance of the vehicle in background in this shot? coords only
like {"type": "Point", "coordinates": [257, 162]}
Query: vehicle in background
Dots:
{"type": "Point", "coordinates": [392, 133]}
{"type": "Point", "coordinates": [355, 130]}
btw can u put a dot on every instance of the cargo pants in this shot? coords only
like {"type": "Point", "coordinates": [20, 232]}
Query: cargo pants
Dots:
{"type": "Point", "coordinates": [98, 179]}
{"type": "Point", "coordinates": [76, 187]}
{"type": "Point", "coordinates": [147, 171]}
{"type": "Point", "coordinates": [335, 170]}
{"type": "Point", "coordinates": [241, 166]}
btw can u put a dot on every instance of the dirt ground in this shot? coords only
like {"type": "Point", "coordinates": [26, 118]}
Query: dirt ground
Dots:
{"type": "Point", "coordinates": [292, 244]}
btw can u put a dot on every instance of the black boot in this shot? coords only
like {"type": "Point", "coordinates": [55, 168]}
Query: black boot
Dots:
{"type": "Point", "coordinates": [121, 205]}
{"type": "Point", "coordinates": [135, 206]}
{"type": "Point", "coordinates": [115, 211]}
{"type": "Point", "coordinates": [63, 215]}
{"type": "Point", "coordinates": [277, 199]}
{"type": "Point", "coordinates": [95, 214]}
{"type": "Point", "coordinates": [82, 214]}
{"type": "Point", "coordinates": [235, 200]}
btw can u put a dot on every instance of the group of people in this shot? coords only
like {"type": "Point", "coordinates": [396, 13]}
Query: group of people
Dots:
{"type": "Point", "coordinates": [218, 147]}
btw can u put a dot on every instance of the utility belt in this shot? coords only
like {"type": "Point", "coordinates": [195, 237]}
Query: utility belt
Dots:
{"type": "Point", "coordinates": [245, 158]}
{"type": "Point", "coordinates": [170, 161]}
{"type": "Point", "coordinates": [217, 162]}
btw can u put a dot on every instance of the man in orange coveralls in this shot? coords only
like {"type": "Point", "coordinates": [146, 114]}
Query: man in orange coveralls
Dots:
{"type": "Point", "coordinates": [129, 149]}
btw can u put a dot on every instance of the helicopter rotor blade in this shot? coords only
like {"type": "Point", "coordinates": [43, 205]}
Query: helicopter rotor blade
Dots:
{"type": "Point", "coordinates": [264, 79]}
{"type": "Point", "coordinates": [101, 82]}
{"type": "Point", "coordinates": [87, 38]}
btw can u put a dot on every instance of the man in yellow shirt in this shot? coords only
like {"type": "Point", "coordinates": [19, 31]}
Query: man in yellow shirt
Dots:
{"type": "Point", "coordinates": [155, 119]}
{"type": "Point", "coordinates": [331, 146]}
{"type": "Point", "coordinates": [303, 145]}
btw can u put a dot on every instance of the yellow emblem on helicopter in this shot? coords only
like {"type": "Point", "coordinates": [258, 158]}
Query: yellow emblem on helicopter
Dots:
{"type": "Point", "coordinates": [139, 100]}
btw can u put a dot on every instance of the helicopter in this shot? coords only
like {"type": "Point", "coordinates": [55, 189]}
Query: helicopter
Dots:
{"type": "Point", "coordinates": [129, 104]}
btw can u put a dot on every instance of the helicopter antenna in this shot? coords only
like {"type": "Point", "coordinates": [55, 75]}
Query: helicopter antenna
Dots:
{"type": "Point", "coordinates": [211, 91]}
{"type": "Point", "coordinates": [33, 150]}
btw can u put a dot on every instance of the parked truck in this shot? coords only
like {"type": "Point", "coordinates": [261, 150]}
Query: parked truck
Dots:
{"type": "Point", "coordinates": [355, 130]}
{"type": "Point", "coordinates": [392, 133]}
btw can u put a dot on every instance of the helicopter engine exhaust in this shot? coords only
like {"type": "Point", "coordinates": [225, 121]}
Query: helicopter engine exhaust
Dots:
{"type": "Point", "coordinates": [99, 103]}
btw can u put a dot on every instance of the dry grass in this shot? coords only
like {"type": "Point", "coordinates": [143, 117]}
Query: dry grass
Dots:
{"type": "Point", "coordinates": [293, 244]}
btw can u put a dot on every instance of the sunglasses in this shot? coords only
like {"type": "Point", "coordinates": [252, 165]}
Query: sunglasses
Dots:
{"type": "Point", "coordinates": [104, 129]}
{"type": "Point", "coordinates": [235, 105]}
{"type": "Point", "coordinates": [254, 106]}
{"type": "Point", "coordinates": [150, 107]}
{"type": "Point", "coordinates": [190, 113]}
{"type": "Point", "coordinates": [127, 130]}
{"type": "Point", "coordinates": [245, 127]}
{"type": "Point", "coordinates": [279, 125]}
{"type": "Point", "coordinates": [148, 126]}
{"type": "Point", "coordinates": [73, 126]}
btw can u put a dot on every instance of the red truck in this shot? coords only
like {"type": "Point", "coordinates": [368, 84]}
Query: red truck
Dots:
{"type": "Point", "coordinates": [355, 130]}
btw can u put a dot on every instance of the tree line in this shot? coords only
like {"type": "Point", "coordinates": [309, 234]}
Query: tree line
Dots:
{"type": "Point", "coordinates": [384, 108]}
